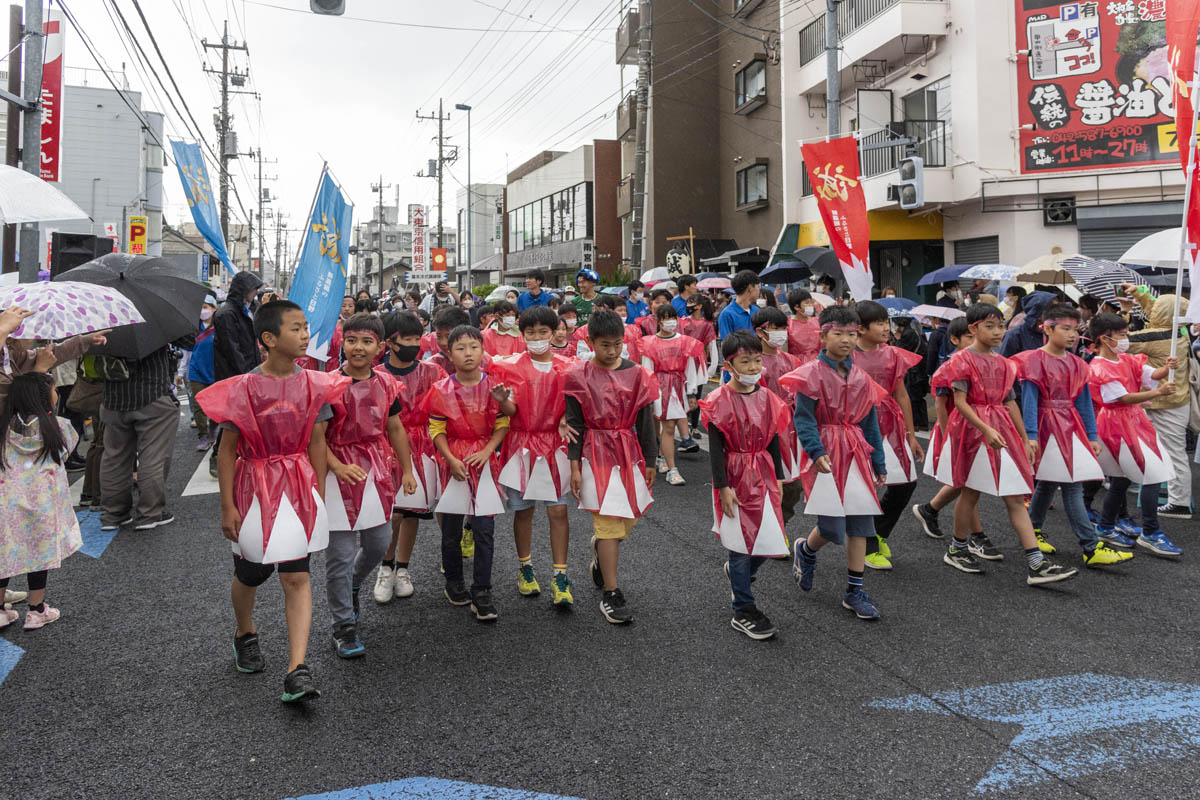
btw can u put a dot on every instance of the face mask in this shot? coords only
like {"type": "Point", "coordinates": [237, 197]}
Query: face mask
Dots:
{"type": "Point", "coordinates": [508, 322]}
{"type": "Point", "coordinates": [748, 380]}
{"type": "Point", "coordinates": [570, 321]}
{"type": "Point", "coordinates": [889, 294]}
{"type": "Point", "coordinates": [467, 304]}
{"type": "Point", "coordinates": [810, 311]}
{"type": "Point", "coordinates": [669, 325]}
{"type": "Point", "coordinates": [637, 297]}
{"type": "Point", "coordinates": [406, 352]}
{"type": "Point", "coordinates": [206, 314]}
{"type": "Point", "coordinates": [1122, 346]}
{"type": "Point", "coordinates": [537, 347]}
{"type": "Point", "coordinates": [777, 338]}
{"type": "Point", "coordinates": [761, 302]}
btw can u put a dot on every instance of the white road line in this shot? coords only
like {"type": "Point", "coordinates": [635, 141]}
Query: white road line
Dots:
{"type": "Point", "coordinates": [201, 482]}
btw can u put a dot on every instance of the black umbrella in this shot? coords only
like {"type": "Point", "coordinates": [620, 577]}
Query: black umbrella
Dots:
{"type": "Point", "coordinates": [785, 272]}
{"type": "Point", "coordinates": [169, 303]}
{"type": "Point", "coordinates": [821, 260]}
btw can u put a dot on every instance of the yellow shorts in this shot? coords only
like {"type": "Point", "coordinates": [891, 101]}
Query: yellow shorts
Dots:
{"type": "Point", "coordinates": [606, 527]}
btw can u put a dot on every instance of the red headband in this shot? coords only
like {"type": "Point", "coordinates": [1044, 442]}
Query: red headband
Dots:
{"type": "Point", "coordinates": [829, 326]}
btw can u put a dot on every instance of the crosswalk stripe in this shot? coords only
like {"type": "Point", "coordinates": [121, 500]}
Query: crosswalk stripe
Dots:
{"type": "Point", "coordinates": [201, 482]}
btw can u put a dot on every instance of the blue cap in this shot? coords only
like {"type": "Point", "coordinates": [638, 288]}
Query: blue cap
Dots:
{"type": "Point", "coordinates": [590, 274]}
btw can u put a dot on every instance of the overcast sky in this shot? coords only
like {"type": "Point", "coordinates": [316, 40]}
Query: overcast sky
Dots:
{"type": "Point", "coordinates": [346, 89]}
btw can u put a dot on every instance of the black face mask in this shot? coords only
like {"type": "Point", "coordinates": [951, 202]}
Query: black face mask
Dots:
{"type": "Point", "coordinates": [406, 352]}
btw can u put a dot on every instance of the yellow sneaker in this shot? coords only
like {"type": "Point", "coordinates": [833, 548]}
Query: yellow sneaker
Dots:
{"type": "Point", "coordinates": [1104, 556]}
{"type": "Point", "coordinates": [884, 550]}
{"type": "Point", "coordinates": [560, 588]}
{"type": "Point", "coordinates": [468, 542]}
{"type": "Point", "coordinates": [878, 561]}
{"type": "Point", "coordinates": [1044, 544]}
{"type": "Point", "coordinates": [526, 581]}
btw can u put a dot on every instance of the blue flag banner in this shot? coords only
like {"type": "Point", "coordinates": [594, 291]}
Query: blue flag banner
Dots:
{"type": "Point", "coordinates": [319, 280]}
{"type": "Point", "coordinates": [194, 176]}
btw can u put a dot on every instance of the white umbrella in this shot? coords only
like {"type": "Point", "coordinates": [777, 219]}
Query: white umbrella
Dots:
{"type": "Point", "coordinates": [499, 292]}
{"type": "Point", "coordinates": [1156, 250]}
{"type": "Point", "coordinates": [990, 272]}
{"type": "Point", "coordinates": [823, 300]}
{"type": "Point", "coordinates": [937, 311]}
{"type": "Point", "coordinates": [28, 198]}
{"type": "Point", "coordinates": [655, 274]}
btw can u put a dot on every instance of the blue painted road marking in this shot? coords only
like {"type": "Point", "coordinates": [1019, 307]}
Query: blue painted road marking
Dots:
{"type": "Point", "coordinates": [10, 654]}
{"type": "Point", "coordinates": [431, 789]}
{"type": "Point", "coordinates": [95, 541]}
{"type": "Point", "coordinates": [1064, 723]}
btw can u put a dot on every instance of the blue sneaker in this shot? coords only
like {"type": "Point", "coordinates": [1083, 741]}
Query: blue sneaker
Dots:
{"type": "Point", "coordinates": [803, 567]}
{"type": "Point", "coordinates": [861, 604]}
{"type": "Point", "coordinates": [1114, 538]}
{"type": "Point", "coordinates": [346, 642]}
{"type": "Point", "coordinates": [1093, 517]}
{"type": "Point", "coordinates": [1125, 525]}
{"type": "Point", "coordinates": [1159, 544]}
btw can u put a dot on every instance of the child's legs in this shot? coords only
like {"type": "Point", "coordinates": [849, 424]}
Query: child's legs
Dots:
{"type": "Point", "coordinates": [860, 529]}
{"type": "Point", "coordinates": [1043, 496]}
{"type": "Point", "coordinates": [965, 512]}
{"type": "Point", "coordinates": [37, 587]}
{"type": "Point", "coordinates": [1090, 488]}
{"type": "Point", "coordinates": [523, 531]}
{"type": "Point", "coordinates": [944, 497]}
{"type": "Point", "coordinates": [610, 532]}
{"type": "Point", "coordinates": [297, 598]}
{"type": "Point", "coordinates": [741, 571]}
{"type": "Point", "coordinates": [406, 539]}
{"type": "Point", "coordinates": [791, 495]}
{"type": "Point", "coordinates": [1114, 500]}
{"type": "Point", "coordinates": [247, 577]}
{"type": "Point", "coordinates": [894, 502]}
{"type": "Point", "coordinates": [815, 540]}
{"type": "Point", "coordinates": [198, 415]}
{"type": "Point", "coordinates": [373, 544]}
{"type": "Point", "coordinates": [560, 533]}
{"type": "Point", "coordinates": [452, 547]}
{"type": "Point", "coordinates": [339, 568]}
{"type": "Point", "coordinates": [484, 528]}
{"type": "Point", "coordinates": [1148, 499]}
{"type": "Point", "coordinates": [1085, 531]}
{"type": "Point", "coordinates": [666, 442]}
{"type": "Point", "coordinates": [1018, 517]}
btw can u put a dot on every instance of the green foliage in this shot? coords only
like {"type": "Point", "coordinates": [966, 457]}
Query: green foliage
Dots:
{"type": "Point", "coordinates": [621, 276]}
{"type": "Point", "coordinates": [483, 290]}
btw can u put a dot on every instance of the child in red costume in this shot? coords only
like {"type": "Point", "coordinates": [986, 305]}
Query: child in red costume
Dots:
{"type": "Point", "coordinates": [271, 469]}
{"type": "Point", "coordinates": [804, 332]}
{"type": "Point", "coordinates": [445, 320]}
{"type": "Point", "coordinates": [989, 451]}
{"type": "Point", "coordinates": [561, 343]}
{"type": "Point", "coordinates": [414, 379]}
{"type": "Point", "coordinates": [771, 324]}
{"type": "Point", "coordinates": [842, 456]}
{"type": "Point", "coordinates": [649, 323]}
{"type": "Point", "coordinates": [468, 419]}
{"type": "Point", "coordinates": [610, 410]}
{"type": "Point", "coordinates": [677, 361]}
{"type": "Point", "coordinates": [744, 420]}
{"type": "Point", "coordinates": [887, 366]}
{"type": "Point", "coordinates": [502, 338]}
{"type": "Point", "coordinates": [535, 454]}
{"type": "Point", "coordinates": [632, 335]}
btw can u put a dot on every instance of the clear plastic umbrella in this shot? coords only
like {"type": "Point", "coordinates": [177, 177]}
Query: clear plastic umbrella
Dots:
{"type": "Point", "coordinates": [28, 198]}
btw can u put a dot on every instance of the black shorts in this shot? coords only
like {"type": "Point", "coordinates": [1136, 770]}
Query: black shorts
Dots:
{"type": "Point", "coordinates": [253, 574]}
{"type": "Point", "coordinates": [408, 513]}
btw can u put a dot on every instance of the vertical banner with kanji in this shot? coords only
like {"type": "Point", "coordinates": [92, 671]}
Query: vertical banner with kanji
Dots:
{"type": "Point", "coordinates": [51, 97]}
{"type": "Point", "coordinates": [419, 251]}
{"type": "Point", "coordinates": [319, 277]}
{"type": "Point", "coordinates": [833, 170]}
{"type": "Point", "coordinates": [193, 175]}
{"type": "Point", "coordinates": [1183, 26]}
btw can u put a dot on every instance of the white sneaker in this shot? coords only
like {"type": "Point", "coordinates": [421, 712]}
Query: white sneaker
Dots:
{"type": "Point", "coordinates": [404, 584]}
{"type": "Point", "coordinates": [661, 464]}
{"type": "Point", "coordinates": [11, 597]}
{"type": "Point", "coordinates": [384, 583]}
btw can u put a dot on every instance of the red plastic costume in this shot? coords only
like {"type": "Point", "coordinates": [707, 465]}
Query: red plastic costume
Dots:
{"type": "Point", "coordinates": [887, 366]}
{"type": "Point", "coordinates": [442, 361]}
{"type": "Point", "coordinates": [614, 471]}
{"type": "Point", "coordinates": [841, 404]}
{"type": "Point", "coordinates": [678, 364]}
{"type": "Point", "coordinates": [804, 338]}
{"type": "Point", "coordinates": [413, 388]}
{"type": "Point", "coordinates": [535, 456]}
{"type": "Point", "coordinates": [470, 413]}
{"type": "Point", "coordinates": [631, 350]}
{"type": "Point", "coordinates": [501, 345]}
{"type": "Point", "coordinates": [1001, 472]}
{"type": "Point", "coordinates": [429, 346]}
{"type": "Point", "coordinates": [748, 422]}
{"type": "Point", "coordinates": [939, 464]}
{"type": "Point", "coordinates": [774, 368]}
{"type": "Point", "coordinates": [357, 435]}
{"type": "Point", "coordinates": [647, 325]}
{"type": "Point", "coordinates": [1130, 445]}
{"type": "Point", "coordinates": [1064, 455]}
{"type": "Point", "coordinates": [699, 329]}
{"type": "Point", "coordinates": [274, 486]}
{"type": "Point", "coordinates": [333, 359]}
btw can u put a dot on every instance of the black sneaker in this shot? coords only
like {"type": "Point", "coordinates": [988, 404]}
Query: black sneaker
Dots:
{"type": "Point", "coordinates": [112, 526]}
{"type": "Point", "coordinates": [456, 593]}
{"type": "Point", "coordinates": [74, 463]}
{"type": "Point", "coordinates": [597, 573]}
{"type": "Point", "coordinates": [166, 518]}
{"type": "Point", "coordinates": [963, 560]}
{"type": "Point", "coordinates": [928, 519]}
{"type": "Point", "coordinates": [1175, 511]}
{"type": "Point", "coordinates": [1049, 573]}
{"type": "Point", "coordinates": [688, 445]}
{"type": "Point", "coordinates": [212, 464]}
{"type": "Point", "coordinates": [482, 606]}
{"type": "Point", "coordinates": [753, 623]}
{"type": "Point", "coordinates": [613, 607]}
{"type": "Point", "coordinates": [354, 601]}
{"type": "Point", "coordinates": [347, 644]}
{"type": "Point", "coordinates": [981, 547]}
{"type": "Point", "coordinates": [298, 686]}
{"type": "Point", "coordinates": [247, 656]}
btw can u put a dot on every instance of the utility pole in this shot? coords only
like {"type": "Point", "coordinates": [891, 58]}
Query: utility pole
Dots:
{"type": "Point", "coordinates": [278, 245]}
{"type": "Point", "coordinates": [12, 150]}
{"type": "Point", "coordinates": [638, 211]}
{"type": "Point", "coordinates": [833, 88]}
{"type": "Point", "coordinates": [31, 133]}
{"type": "Point", "coordinates": [262, 225]}
{"type": "Point", "coordinates": [378, 188]}
{"type": "Point", "coordinates": [224, 131]}
{"type": "Point", "coordinates": [443, 158]}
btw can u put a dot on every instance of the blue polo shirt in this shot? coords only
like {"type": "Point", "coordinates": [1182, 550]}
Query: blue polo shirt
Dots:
{"type": "Point", "coordinates": [635, 311]}
{"type": "Point", "coordinates": [680, 305]}
{"type": "Point", "coordinates": [526, 300]}
{"type": "Point", "coordinates": [733, 318]}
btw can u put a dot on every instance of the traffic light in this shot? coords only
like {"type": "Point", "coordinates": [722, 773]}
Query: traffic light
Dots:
{"type": "Point", "coordinates": [327, 6]}
{"type": "Point", "coordinates": [911, 189]}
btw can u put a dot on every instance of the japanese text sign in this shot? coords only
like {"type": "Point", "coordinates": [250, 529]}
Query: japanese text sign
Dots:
{"type": "Point", "coordinates": [51, 97]}
{"type": "Point", "coordinates": [137, 235]}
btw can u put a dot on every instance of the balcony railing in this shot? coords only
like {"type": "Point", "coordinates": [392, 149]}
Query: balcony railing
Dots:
{"type": "Point", "coordinates": [851, 15]}
{"type": "Point", "coordinates": [625, 196]}
{"type": "Point", "coordinates": [626, 116]}
{"type": "Point", "coordinates": [931, 136]}
{"type": "Point", "coordinates": [627, 38]}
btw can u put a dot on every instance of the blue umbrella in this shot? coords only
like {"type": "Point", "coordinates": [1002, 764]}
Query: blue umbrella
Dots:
{"type": "Point", "coordinates": [785, 272]}
{"type": "Point", "coordinates": [701, 276]}
{"type": "Point", "coordinates": [896, 303]}
{"type": "Point", "coordinates": [943, 274]}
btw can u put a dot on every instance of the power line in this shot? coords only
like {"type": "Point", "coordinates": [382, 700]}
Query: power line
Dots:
{"type": "Point", "coordinates": [397, 23]}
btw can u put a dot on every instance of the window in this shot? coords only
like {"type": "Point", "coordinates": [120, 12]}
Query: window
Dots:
{"type": "Point", "coordinates": [750, 83]}
{"type": "Point", "coordinates": [391, 238]}
{"type": "Point", "coordinates": [752, 185]}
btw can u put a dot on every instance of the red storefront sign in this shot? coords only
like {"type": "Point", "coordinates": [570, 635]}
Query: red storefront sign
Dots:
{"type": "Point", "coordinates": [51, 99]}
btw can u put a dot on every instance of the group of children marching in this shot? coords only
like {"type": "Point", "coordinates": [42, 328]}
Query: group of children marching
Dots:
{"type": "Point", "coordinates": [461, 425]}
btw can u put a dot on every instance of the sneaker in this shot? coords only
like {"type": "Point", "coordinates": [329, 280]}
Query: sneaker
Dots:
{"type": "Point", "coordinates": [11, 597]}
{"type": "Point", "coordinates": [8, 617]}
{"type": "Point", "coordinates": [560, 587]}
{"type": "Point", "coordinates": [456, 593]}
{"type": "Point", "coordinates": [1044, 543]}
{"type": "Point", "coordinates": [697, 434]}
{"type": "Point", "coordinates": [660, 464]}
{"type": "Point", "coordinates": [298, 686]}
{"type": "Point", "coordinates": [212, 465]}
{"type": "Point", "coordinates": [385, 584]}
{"type": "Point", "coordinates": [861, 604]}
{"type": "Point", "coordinates": [166, 518]}
{"type": "Point", "coordinates": [963, 560]}
{"type": "Point", "coordinates": [1104, 556]}
{"type": "Point", "coordinates": [674, 478]}
{"type": "Point", "coordinates": [884, 549]}
{"type": "Point", "coordinates": [35, 619]}
{"type": "Point", "coordinates": [354, 601]}
{"type": "Point", "coordinates": [1175, 511]}
{"type": "Point", "coordinates": [203, 443]}
{"type": "Point", "coordinates": [112, 526]}
{"type": "Point", "coordinates": [803, 567]}
{"type": "Point", "coordinates": [1046, 572]}
{"type": "Point", "coordinates": [527, 582]}
{"type": "Point", "coordinates": [878, 561]}
{"type": "Point", "coordinates": [468, 541]}
{"type": "Point", "coordinates": [928, 519]}
{"type": "Point", "coordinates": [74, 463]}
{"type": "Point", "coordinates": [1114, 538]}
{"type": "Point", "coordinates": [981, 546]}
{"type": "Point", "coordinates": [613, 607]}
{"type": "Point", "coordinates": [688, 445]}
{"type": "Point", "coordinates": [404, 584]}
{"type": "Point", "coordinates": [1093, 517]}
{"type": "Point", "coordinates": [1159, 544]}
{"type": "Point", "coordinates": [753, 623]}
{"type": "Point", "coordinates": [247, 656]}
{"type": "Point", "coordinates": [1125, 525]}
{"type": "Point", "coordinates": [482, 606]}
{"type": "Point", "coordinates": [597, 573]}
{"type": "Point", "coordinates": [347, 644]}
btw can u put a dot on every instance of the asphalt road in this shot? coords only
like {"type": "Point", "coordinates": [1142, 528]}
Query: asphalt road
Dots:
{"type": "Point", "coordinates": [133, 693]}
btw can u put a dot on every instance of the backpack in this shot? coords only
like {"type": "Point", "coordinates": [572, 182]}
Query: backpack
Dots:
{"type": "Point", "coordinates": [104, 368]}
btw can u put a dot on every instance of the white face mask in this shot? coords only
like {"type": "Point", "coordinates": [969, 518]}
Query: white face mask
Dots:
{"type": "Point", "coordinates": [508, 322]}
{"type": "Point", "coordinates": [1122, 345]}
{"type": "Point", "coordinates": [570, 323]}
{"type": "Point", "coordinates": [761, 302]}
{"type": "Point", "coordinates": [777, 339]}
{"type": "Point", "coordinates": [637, 297]}
{"type": "Point", "coordinates": [669, 325]}
{"type": "Point", "coordinates": [810, 311]}
{"type": "Point", "coordinates": [889, 294]}
{"type": "Point", "coordinates": [537, 347]}
{"type": "Point", "coordinates": [748, 380]}
{"type": "Point", "coordinates": [206, 314]}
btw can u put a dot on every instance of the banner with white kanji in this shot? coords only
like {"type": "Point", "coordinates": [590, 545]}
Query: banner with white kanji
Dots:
{"type": "Point", "coordinates": [833, 171]}
{"type": "Point", "coordinates": [319, 277]}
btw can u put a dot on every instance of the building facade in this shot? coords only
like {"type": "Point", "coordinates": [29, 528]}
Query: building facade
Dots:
{"type": "Point", "coordinates": [1042, 125]}
{"type": "Point", "coordinates": [393, 234]}
{"type": "Point", "coordinates": [479, 234]}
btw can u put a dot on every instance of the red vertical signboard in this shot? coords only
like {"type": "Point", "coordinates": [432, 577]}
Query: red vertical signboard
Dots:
{"type": "Point", "coordinates": [1183, 26]}
{"type": "Point", "coordinates": [833, 170]}
{"type": "Point", "coordinates": [51, 99]}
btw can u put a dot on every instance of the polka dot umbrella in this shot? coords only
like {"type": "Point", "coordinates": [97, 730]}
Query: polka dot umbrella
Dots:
{"type": "Point", "coordinates": [68, 308]}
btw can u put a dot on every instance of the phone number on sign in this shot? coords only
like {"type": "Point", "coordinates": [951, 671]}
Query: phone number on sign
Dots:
{"type": "Point", "coordinates": [1124, 145]}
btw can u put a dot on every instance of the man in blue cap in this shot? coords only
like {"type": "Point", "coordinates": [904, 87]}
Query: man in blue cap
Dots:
{"type": "Point", "coordinates": [586, 279]}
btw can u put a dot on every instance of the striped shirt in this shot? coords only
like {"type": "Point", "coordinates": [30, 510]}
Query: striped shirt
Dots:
{"type": "Point", "coordinates": [149, 379]}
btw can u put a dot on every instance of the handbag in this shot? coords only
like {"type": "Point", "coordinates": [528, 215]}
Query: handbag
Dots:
{"type": "Point", "coordinates": [85, 395]}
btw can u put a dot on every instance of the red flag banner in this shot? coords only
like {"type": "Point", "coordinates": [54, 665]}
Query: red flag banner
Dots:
{"type": "Point", "coordinates": [1183, 26]}
{"type": "Point", "coordinates": [833, 171]}
{"type": "Point", "coordinates": [51, 98]}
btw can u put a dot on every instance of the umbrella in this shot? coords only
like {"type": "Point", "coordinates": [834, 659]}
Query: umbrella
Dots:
{"type": "Point", "coordinates": [1102, 285]}
{"type": "Point", "coordinates": [937, 311]}
{"type": "Point", "coordinates": [823, 300]}
{"type": "Point", "coordinates": [820, 260]}
{"type": "Point", "coordinates": [27, 198]}
{"type": "Point", "coordinates": [704, 275]}
{"type": "Point", "coordinates": [68, 308]}
{"type": "Point", "coordinates": [655, 274]}
{"type": "Point", "coordinates": [897, 303]}
{"type": "Point", "coordinates": [786, 272]}
{"type": "Point", "coordinates": [1082, 269]}
{"type": "Point", "coordinates": [665, 285]}
{"type": "Point", "coordinates": [1156, 250]}
{"type": "Point", "coordinates": [499, 292]}
{"type": "Point", "coordinates": [714, 283]}
{"type": "Point", "coordinates": [1047, 269]}
{"type": "Point", "coordinates": [623, 291]}
{"type": "Point", "coordinates": [169, 304]}
{"type": "Point", "coordinates": [991, 272]}
{"type": "Point", "coordinates": [943, 275]}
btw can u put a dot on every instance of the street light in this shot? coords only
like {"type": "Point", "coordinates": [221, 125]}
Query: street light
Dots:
{"type": "Point", "coordinates": [470, 198]}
